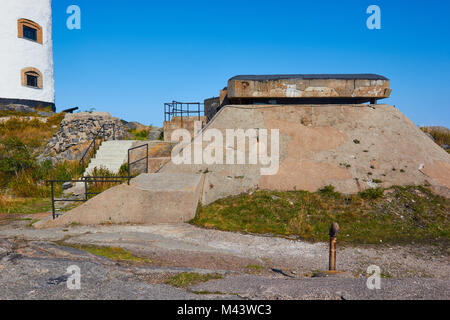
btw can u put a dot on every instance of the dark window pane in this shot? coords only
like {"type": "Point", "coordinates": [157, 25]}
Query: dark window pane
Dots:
{"type": "Point", "coordinates": [32, 81]}
{"type": "Point", "coordinates": [29, 33]}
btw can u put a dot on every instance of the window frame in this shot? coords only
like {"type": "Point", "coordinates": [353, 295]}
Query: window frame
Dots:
{"type": "Point", "coordinates": [32, 72]}
{"type": "Point", "coordinates": [22, 23]}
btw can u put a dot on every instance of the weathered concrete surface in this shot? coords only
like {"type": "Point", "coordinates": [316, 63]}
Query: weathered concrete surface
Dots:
{"type": "Point", "coordinates": [180, 123]}
{"type": "Point", "coordinates": [150, 199]}
{"type": "Point", "coordinates": [309, 86]}
{"type": "Point", "coordinates": [159, 153]}
{"type": "Point", "coordinates": [352, 147]}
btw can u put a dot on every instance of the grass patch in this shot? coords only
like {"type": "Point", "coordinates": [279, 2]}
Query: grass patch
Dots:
{"type": "Point", "coordinates": [141, 135]}
{"type": "Point", "coordinates": [9, 205]}
{"type": "Point", "coordinates": [186, 279]}
{"type": "Point", "coordinates": [112, 253]}
{"type": "Point", "coordinates": [254, 268]}
{"type": "Point", "coordinates": [402, 215]}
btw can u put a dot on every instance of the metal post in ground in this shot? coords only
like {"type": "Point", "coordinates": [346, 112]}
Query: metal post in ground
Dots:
{"type": "Point", "coordinates": [86, 188]}
{"type": "Point", "coordinates": [53, 201]}
{"type": "Point", "coordinates": [146, 167]}
{"type": "Point", "coordinates": [333, 239]}
{"type": "Point", "coordinates": [129, 169]}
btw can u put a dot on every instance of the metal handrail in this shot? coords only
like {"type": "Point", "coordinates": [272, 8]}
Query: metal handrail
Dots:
{"type": "Point", "coordinates": [175, 108]}
{"type": "Point", "coordinates": [85, 181]}
{"type": "Point", "coordinates": [93, 143]}
{"type": "Point", "coordinates": [139, 160]}
{"type": "Point", "coordinates": [97, 179]}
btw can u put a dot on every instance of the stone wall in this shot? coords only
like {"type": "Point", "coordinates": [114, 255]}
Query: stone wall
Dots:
{"type": "Point", "coordinates": [78, 130]}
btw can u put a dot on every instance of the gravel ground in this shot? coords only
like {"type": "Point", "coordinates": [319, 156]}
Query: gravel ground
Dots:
{"type": "Point", "coordinates": [264, 288]}
{"type": "Point", "coordinates": [255, 267]}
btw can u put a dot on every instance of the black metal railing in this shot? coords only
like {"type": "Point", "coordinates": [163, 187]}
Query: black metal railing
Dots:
{"type": "Point", "coordinates": [138, 160]}
{"type": "Point", "coordinates": [86, 181]}
{"type": "Point", "coordinates": [93, 146]}
{"type": "Point", "coordinates": [183, 109]}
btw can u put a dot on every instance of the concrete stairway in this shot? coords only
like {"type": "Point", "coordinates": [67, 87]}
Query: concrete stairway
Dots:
{"type": "Point", "coordinates": [111, 156]}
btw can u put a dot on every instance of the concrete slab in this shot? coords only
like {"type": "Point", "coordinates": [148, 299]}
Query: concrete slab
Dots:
{"type": "Point", "coordinates": [310, 86]}
{"type": "Point", "coordinates": [150, 199]}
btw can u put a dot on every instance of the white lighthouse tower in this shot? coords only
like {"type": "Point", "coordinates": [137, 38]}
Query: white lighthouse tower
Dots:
{"type": "Point", "coordinates": [26, 53]}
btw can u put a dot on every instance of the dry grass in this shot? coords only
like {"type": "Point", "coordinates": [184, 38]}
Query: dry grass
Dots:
{"type": "Point", "coordinates": [33, 133]}
{"type": "Point", "coordinates": [12, 205]}
{"type": "Point", "coordinates": [441, 135]}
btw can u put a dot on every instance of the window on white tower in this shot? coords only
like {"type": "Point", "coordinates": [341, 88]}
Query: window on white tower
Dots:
{"type": "Point", "coordinates": [29, 33]}
{"type": "Point", "coordinates": [29, 30]}
{"type": "Point", "coordinates": [32, 78]}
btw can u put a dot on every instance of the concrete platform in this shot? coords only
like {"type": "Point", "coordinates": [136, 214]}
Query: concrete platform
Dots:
{"type": "Point", "coordinates": [150, 199]}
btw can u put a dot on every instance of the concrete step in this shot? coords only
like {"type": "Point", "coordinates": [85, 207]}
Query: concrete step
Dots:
{"type": "Point", "coordinates": [111, 155]}
{"type": "Point", "coordinates": [149, 199]}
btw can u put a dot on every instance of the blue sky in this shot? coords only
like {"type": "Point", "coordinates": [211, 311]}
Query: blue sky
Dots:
{"type": "Point", "coordinates": [132, 56]}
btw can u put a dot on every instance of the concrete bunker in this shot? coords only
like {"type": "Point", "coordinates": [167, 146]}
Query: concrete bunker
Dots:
{"type": "Point", "coordinates": [300, 89]}
{"type": "Point", "coordinates": [332, 131]}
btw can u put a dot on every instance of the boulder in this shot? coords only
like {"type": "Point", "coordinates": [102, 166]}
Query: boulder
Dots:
{"type": "Point", "coordinates": [155, 134]}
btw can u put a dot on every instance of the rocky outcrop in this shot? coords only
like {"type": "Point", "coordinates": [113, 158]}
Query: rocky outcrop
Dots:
{"type": "Point", "coordinates": [78, 130]}
{"type": "Point", "coordinates": [156, 134]}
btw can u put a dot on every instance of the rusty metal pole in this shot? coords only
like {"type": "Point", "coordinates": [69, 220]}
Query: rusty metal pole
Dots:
{"type": "Point", "coordinates": [333, 238]}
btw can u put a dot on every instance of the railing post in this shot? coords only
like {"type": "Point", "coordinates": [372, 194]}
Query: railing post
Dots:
{"type": "Point", "coordinates": [53, 201]}
{"type": "Point", "coordinates": [86, 188]}
{"type": "Point", "coordinates": [333, 238]}
{"type": "Point", "coordinates": [146, 167]}
{"type": "Point", "coordinates": [129, 169]}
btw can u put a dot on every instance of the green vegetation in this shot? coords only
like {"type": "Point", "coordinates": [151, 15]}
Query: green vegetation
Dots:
{"type": "Point", "coordinates": [22, 177]}
{"type": "Point", "coordinates": [141, 134]}
{"type": "Point", "coordinates": [395, 215]}
{"type": "Point", "coordinates": [112, 253]}
{"type": "Point", "coordinates": [185, 279]}
{"type": "Point", "coordinates": [99, 187]}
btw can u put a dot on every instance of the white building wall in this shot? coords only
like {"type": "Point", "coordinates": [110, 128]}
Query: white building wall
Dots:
{"type": "Point", "coordinates": [17, 53]}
